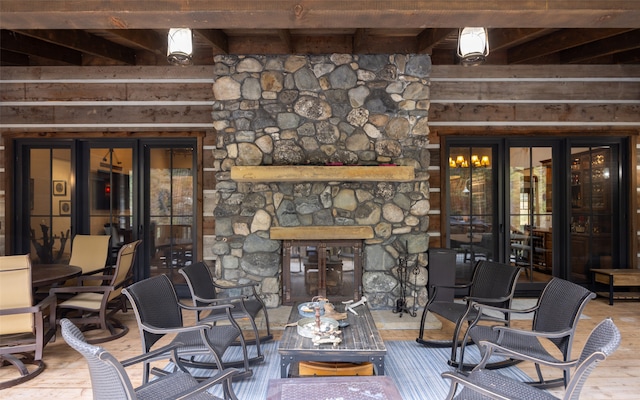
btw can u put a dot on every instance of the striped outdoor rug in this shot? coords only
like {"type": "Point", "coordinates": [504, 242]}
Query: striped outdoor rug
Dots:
{"type": "Point", "coordinates": [414, 368]}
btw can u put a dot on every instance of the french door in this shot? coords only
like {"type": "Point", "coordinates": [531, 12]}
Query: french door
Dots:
{"type": "Point", "coordinates": [545, 205]}
{"type": "Point", "coordinates": [128, 189]}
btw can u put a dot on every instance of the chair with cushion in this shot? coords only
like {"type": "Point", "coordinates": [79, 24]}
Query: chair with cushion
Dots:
{"type": "Point", "coordinates": [555, 318]}
{"type": "Point", "coordinates": [95, 305]}
{"type": "Point", "coordinates": [24, 328]}
{"type": "Point", "coordinates": [109, 379]}
{"type": "Point", "coordinates": [205, 291]}
{"type": "Point", "coordinates": [89, 252]}
{"type": "Point", "coordinates": [199, 346]}
{"type": "Point", "coordinates": [482, 383]}
{"type": "Point", "coordinates": [492, 283]}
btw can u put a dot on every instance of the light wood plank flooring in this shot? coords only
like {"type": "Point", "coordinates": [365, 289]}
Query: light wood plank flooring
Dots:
{"type": "Point", "coordinates": [66, 376]}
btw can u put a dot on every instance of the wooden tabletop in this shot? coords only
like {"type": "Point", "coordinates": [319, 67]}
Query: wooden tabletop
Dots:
{"type": "Point", "coordinates": [48, 274]}
{"type": "Point", "coordinates": [361, 342]}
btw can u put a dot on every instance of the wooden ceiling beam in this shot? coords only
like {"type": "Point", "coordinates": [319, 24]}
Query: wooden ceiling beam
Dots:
{"type": "Point", "coordinates": [147, 39]}
{"type": "Point", "coordinates": [360, 38]}
{"type": "Point", "coordinates": [84, 42]}
{"type": "Point", "coordinates": [216, 38]}
{"type": "Point", "coordinates": [16, 42]}
{"type": "Point", "coordinates": [501, 38]}
{"type": "Point", "coordinates": [627, 57]}
{"type": "Point", "coordinates": [429, 38]}
{"type": "Point", "coordinates": [558, 41]}
{"type": "Point", "coordinates": [11, 58]}
{"type": "Point", "coordinates": [317, 14]}
{"type": "Point", "coordinates": [611, 45]}
{"type": "Point", "coordinates": [285, 36]}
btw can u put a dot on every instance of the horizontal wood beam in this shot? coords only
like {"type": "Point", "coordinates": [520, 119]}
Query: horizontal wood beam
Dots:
{"type": "Point", "coordinates": [314, 14]}
{"type": "Point", "coordinates": [293, 173]}
{"type": "Point", "coordinates": [321, 232]}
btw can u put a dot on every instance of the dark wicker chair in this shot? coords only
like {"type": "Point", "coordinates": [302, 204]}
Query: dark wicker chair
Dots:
{"type": "Point", "coordinates": [159, 313]}
{"type": "Point", "coordinates": [555, 319]}
{"type": "Point", "coordinates": [93, 306]}
{"type": "Point", "coordinates": [204, 291]}
{"type": "Point", "coordinates": [486, 384]}
{"type": "Point", "coordinates": [24, 328]}
{"type": "Point", "coordinates": [492, 283]}
{"type": "Point", "coordinates": [109, 379]}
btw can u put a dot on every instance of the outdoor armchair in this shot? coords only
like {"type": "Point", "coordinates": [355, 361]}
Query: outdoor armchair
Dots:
{"type": "Point", "coordinates": [109, 379]}
{"type": "Point", "coordinates": [482, 383]}
{"type": "Point", "coordinates": [159, 313]}
{"type": "Point", "coordinates": [555, 318]}
{"type": "Point", "coordinates": [205, 291]}
{"type": "Point", "coordinates": [492, 283]}
{"type": "Point", "coordinates": [93, 306]}
{"type": "Point", "coordinates": [24, 328]}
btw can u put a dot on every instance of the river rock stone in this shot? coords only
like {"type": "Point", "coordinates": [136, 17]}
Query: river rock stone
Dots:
{"type": "Point", "coordinates": [226, 88]}
{"type": "Point", "coordinates": [313, 108]}
{"type": "Point", "coordinates": [261, 264]}
{"type": "Point", "coordinates": [343, 77]}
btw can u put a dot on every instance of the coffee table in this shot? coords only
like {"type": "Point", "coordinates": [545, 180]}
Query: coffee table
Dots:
{"type": "Point", "coordinates": [361, 342]}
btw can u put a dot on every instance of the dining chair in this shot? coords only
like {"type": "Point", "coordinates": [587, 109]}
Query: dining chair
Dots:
{"type": "Point", "coordinates": [24, 328]}
{"type": "Point", "coordinates": [109, 379]}
{"type": "Point", "coordinates": [483, 383]}
{"type": "Point", "coordinates": [89, 252]}
{"type": "Point", "coordinates": [159, 313]}
{"type": "Point", "coordinates": [94, 306]}
{"type": "Point", "coordinates": [492, 283]}
{"type": "Point", "coordinates": [206, 291]}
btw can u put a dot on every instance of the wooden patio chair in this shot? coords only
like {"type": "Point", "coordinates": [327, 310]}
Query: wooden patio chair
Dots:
{"type": "Point", "coordinates": [555, 319]}
{"type": "Point", "coordinates": [95, 305]}
{"type": "Point", "coordinates": [159, 313]}
{"type": "Point", "coordinates": [109, 379]}
{"type": "Point", "coordinates": [482, 383]}
{"type": "Point", "coordinates": [206, 291]}
{"type": "Point", "coordinates": [492, 283]}
{"type": "Point", "coordinates": [25, 329]}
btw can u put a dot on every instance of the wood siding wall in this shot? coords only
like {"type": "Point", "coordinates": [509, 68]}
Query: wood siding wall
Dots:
{"type": "Point", "coordinates": [109, 102]}
{"type": "Point", "coordinates": [533, 100]}
{"type": "Point", "coordinates": [480, 100]}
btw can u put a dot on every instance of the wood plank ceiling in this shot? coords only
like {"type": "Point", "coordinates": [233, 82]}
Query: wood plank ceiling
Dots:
{"type": "Point", "coordinates": [94, 32]}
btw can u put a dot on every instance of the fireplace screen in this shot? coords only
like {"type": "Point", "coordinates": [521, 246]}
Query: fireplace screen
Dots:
{"type": "Point", "coordinates": [329, 269]}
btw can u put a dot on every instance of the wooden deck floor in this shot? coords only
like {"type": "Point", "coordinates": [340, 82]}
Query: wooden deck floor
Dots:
{"type": "Point", "coordinates": [66, 376]}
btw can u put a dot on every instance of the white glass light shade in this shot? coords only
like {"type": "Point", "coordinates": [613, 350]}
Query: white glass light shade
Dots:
{"type": "Point", "coordinates": [473, 45]}
{"type": "Point", "coordinates": [179, 46]}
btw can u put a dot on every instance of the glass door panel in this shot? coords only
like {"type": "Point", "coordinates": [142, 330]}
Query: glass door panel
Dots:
{"type": "Point", "coordinates": [471, 188]}
{"type": "Point", "coordinates": [110, 194]}
{"type": "Point", "coordinates": [172, 229]}
{"type": "Point", "coordinates": [530, 212]}
{"type": "Point", "coordinates": [49, 210]}
{"type": "Point", "coordinates": [593, 180]}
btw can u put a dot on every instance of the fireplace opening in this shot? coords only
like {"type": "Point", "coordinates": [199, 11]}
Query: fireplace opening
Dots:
{"type": "Point", "coordinates": [330, 269]}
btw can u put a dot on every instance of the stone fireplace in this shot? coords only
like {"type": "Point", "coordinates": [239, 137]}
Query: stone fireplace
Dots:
{"type": "Point", "coordinates": [322, 147]}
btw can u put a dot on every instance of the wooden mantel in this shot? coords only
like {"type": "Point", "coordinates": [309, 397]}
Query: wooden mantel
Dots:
{"type": "Point", "coordinates": [321, 232]}
{"type": "Point", "coordinates": [315, 173]}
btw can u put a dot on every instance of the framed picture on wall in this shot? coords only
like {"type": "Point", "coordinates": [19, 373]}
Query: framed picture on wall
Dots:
{"type": "Point", "coordinates": [59, 188]}
{"type": "Point", "coordinates": [65, 207]}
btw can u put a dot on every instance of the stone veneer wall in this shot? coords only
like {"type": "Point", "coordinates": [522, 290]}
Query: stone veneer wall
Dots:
{"type": "Point", "coordinates": [313, 110]}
